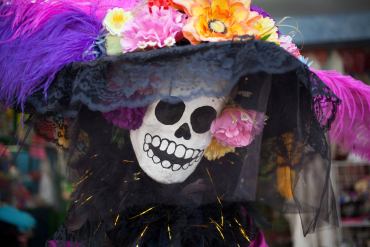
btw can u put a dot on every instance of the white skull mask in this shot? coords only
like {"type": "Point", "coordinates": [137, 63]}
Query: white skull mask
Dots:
{"type": "Point", "coordinates": [171, 141]}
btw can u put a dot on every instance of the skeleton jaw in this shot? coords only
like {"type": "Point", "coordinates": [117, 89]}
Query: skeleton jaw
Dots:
{"type": "Point", "coordinates": [170, 155]}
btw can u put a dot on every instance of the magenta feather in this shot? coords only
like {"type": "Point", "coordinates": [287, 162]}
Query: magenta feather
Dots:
{"type": "Point", "coordinates": [35, 46]}
{"type": "Point", "coordinates": [29, 16]}
{"type": "Point", "coordinates": [351, 128]}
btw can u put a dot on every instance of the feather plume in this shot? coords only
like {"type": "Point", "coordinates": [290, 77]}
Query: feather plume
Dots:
{"type": "Point", "coordinates": [351, 128]}
{"type": "Point", "coordinates": [37, 42]}
{"type": "Point", "coordinates": [30, 15]}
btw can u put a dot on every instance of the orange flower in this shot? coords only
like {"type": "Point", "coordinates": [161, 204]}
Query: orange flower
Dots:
{"type": "Point", "coordinates": [217, 20]}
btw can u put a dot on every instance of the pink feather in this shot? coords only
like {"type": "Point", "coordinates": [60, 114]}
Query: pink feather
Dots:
{"type": "Point", "coordinates": [100, 7]}
{"type": "Point", "coordinates": [351, 127]}
{"type": "Point", "coordinates": [37, 12]}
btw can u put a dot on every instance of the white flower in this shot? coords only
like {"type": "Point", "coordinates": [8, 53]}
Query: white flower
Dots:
{"type": "Point", "coordinates": [116, 19]}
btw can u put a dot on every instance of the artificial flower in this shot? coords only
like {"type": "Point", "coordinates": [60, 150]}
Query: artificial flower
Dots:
{"type": "Point", "coordinates": [113, 45]}
{"type": "Point", "coordinates": [160, 3]}
{"type": "Point", "coordinates": [116, 19]}
{"type": "Point", "coordinates": [217, 20]}
{"type": "Point", "coordinates": [237, 127]}
{"type": "Point", "coordinates": [155, 28]}
{"type": "Point", "coordinates": [286, 42]}
{"type": "Point", "coordinates": [215, 150]}
{"type": "Point", "coordinates": [266, 30]}
{"type": "Point", "coordinates": [126, 118]}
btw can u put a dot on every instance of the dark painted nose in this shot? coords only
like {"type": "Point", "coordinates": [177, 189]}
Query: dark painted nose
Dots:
{"type": "Point", "coordinates": [183, 131]}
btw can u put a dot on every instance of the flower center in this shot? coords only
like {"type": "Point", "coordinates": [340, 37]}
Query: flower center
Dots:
{"type": "Point", "coordinates": [118, 19]}
{"type": "Point", "coordinates": [217, 26]}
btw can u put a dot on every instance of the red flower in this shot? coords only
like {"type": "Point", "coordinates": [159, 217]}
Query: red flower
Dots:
{"type": "Point", "coordinates": [160, 3]}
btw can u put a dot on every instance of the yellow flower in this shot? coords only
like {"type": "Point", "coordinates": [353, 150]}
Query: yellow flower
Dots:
{"type": "Point", "coordinates": [267, 30]}
{"type": "Point", "coordinates": [215, 150]}
{"type": "Point", "coordinates": [116, 19]}
{"type": "Point", "coordinates": [217, 20]}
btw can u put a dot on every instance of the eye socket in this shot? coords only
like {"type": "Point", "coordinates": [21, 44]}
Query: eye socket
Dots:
{"type": "Point", "coordinates": [202, 118]}
{"type": "Point", "coordinates": [169, 111]}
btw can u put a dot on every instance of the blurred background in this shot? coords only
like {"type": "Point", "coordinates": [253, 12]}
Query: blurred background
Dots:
{"type": "Point", "coordinates": [334, 34]}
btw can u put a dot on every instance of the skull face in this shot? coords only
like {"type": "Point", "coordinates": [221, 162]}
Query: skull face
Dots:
{"type": "Point", "coordinates": [171, 141]}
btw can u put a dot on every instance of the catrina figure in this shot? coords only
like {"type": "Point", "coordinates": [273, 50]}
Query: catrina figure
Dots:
{"type": "Point", "coordinates": [178, 117]}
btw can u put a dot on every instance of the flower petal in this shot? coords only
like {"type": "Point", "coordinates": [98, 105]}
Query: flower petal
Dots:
{"type": "Point", "coordinates": [220, 6]}
{"type": "Point", "coordinates": [185, 5]}
{"type": "Point", "coordinates": [190, 33]}
{"type": "Point", "coordinates": [239, 12]}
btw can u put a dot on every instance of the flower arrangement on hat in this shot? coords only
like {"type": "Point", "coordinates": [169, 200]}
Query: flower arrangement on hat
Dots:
{"type": "Point", "coordinates": [166, 23]}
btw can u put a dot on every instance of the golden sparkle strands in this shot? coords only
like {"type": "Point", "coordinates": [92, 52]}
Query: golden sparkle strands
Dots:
{"type": "Point", "coordinates": [94, 156]}
{"type": "Point", "coordinates": [86, 200]}
{"type": "Point", "coordinates": [137, 176]}
{"type": "Point", "coordinates": [96, 230]}
{"type": "Point", "coordinates": [218, 199]}
{"type": "Point", "coordinates": [210, 177]}
{"type": "Point", "coordinates": [218, 227]}
{"type": "Point", "coordinates": [116, 220]}
{"type": "Point", "coordinates": [141, 235]}
{"type": "Point", "coordinates": [142, 213]}
{"type": "Point", "coordinates": [169, 232]}
{"type": "Point", "coordinates": [127, 162]}
{"type": "Point", "coordinates": [88, 174]}
{"type": "Point", "coordinates": [242, 231]}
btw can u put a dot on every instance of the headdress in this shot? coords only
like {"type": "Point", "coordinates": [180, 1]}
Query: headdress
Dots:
{"type": "Point", "coordinates": [139, 91]}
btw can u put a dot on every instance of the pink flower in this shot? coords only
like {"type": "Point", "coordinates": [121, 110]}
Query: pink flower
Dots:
{"type": "Point", "coordinates": [286, 42]}
{"type": "Point", "coordinates": [237, 127]}
{"type": "Point", "coordinates": [154, 28]}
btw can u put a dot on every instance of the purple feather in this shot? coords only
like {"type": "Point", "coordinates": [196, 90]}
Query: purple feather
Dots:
{"type": "Point", "coordinates": [351, 128]}
{"type": "Point", "coordinates": [260, 11]}
{"type": "Point", "coordinates": [31, 55]}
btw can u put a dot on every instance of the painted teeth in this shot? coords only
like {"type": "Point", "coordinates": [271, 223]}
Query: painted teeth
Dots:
{"type": "Point", "coordinates": [164, 145]}
{"type": "Point", "coordinates": [189, 154]}
{"type": "Point", "coordinates": [184, 167]}
{"type": "Point", "coordinates": [150, 153]}
{"type": "Point", "coordinates": [148, 138]}
{"type": "Point", "coordinates": [156, 159]}
{"type": "Point", "coordinates": [166, 164]}
{"type": "Point", "coordinates": [157, 148]}
{"type": "Point", "coordinates": [176, 167]}
{"type": "Point", "coordinates": [180, 151]}
{"type": "Point", "coordinates": [171, 148]}
{"type": "Point", "coordinates": [156, 141]}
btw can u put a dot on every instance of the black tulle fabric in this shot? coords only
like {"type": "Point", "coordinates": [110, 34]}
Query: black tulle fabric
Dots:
{"type": "Point", "coordinates": [111, 189]}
